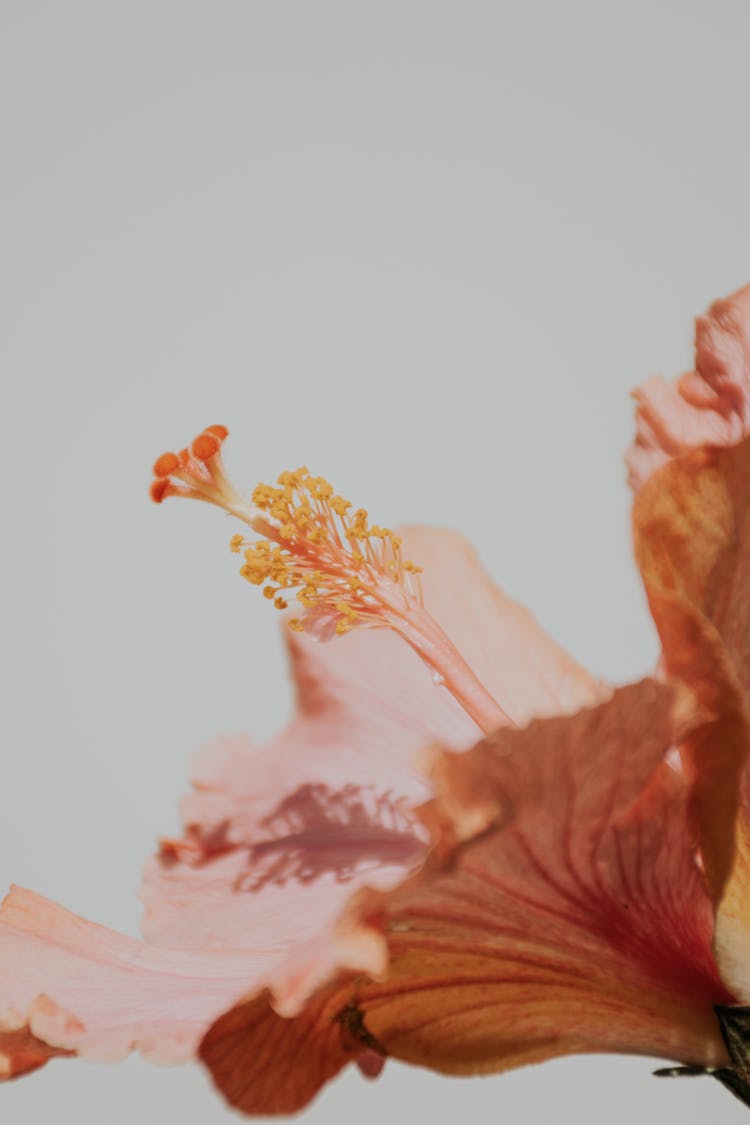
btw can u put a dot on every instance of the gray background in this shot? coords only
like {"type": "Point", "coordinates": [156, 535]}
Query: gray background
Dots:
{"type": "Point", "coordinates": [426, 248]}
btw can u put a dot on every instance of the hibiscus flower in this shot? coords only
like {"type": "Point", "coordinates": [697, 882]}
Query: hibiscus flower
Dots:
{"type": "Point", "coordinates": [464, 852]}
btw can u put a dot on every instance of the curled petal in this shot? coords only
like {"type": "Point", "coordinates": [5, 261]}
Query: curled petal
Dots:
{"type": "Point", "coordinates": [252, 1046]}
{"type": "Point", "coordinates": [709, 406]}
{"type": "Point", "coordinates": [20, 1050]}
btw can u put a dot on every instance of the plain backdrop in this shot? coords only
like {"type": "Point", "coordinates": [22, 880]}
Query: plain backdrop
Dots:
{"type": "Point", "coordinates": [426, 248]}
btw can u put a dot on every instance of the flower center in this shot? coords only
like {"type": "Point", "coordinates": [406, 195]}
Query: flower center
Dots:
{"type": "Point", "coordinates": [343, 571]}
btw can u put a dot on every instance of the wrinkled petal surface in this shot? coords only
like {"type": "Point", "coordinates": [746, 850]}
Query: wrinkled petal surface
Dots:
{"type": "Point", "coordinates": [692, 530]}
{"type": "Point", "coordinates": [709, 406]}
{"type": "Point", "coordinates": [67, 985]}
{"type": "Point", "coordinates": [563, 910]}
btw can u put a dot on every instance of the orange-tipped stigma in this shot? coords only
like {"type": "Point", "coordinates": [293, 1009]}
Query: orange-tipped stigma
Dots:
{"type": "Point", "coordinates": [205, 446]}
{"type": "Point", "coordinates": [166, 464]}
{"type": "Point", "coordinates": [159, 488]}
{"type": "Point", "coordinates": [197, 472]}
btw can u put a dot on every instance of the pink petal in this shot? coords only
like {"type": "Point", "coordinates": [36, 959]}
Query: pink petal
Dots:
{"type": "Point", "coordinates": [77, 986]}
{"type": "Point", "coordinates": [278, 839]}
{"type": "Point", "coordinates": [708, 406]}
{"type": "Point", "coordinates": [68, 985]}
{"type": "Point", "coordinates": [278, 881]}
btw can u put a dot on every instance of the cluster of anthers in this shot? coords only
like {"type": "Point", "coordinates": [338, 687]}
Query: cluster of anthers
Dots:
{"type": "Point", "coordinates": [343, 571]}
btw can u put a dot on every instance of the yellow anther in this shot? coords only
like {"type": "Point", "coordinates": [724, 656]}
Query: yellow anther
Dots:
{"type": "Point", "coordinates": [358, 526]}
{"type": "Point", "coordinates": [262, 547]}
{"type": "Point", "coordinates": [340, 506]}
{"type": "Point", "coordinates": [236, 542]}
{"type": "Point", "coordinates": [296, 625]}
{"type": "Point", "coordinates": [330, 556]}
{"type": "Point", "coordinates": [262, 496]}
{"type": "Point", "coordinates": [253, 576]}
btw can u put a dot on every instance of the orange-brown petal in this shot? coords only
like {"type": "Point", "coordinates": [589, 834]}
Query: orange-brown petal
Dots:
{"type": "Point", "coordinates": [692, 534]}
{"type": "Point", "coordinates": [266, 1064]}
